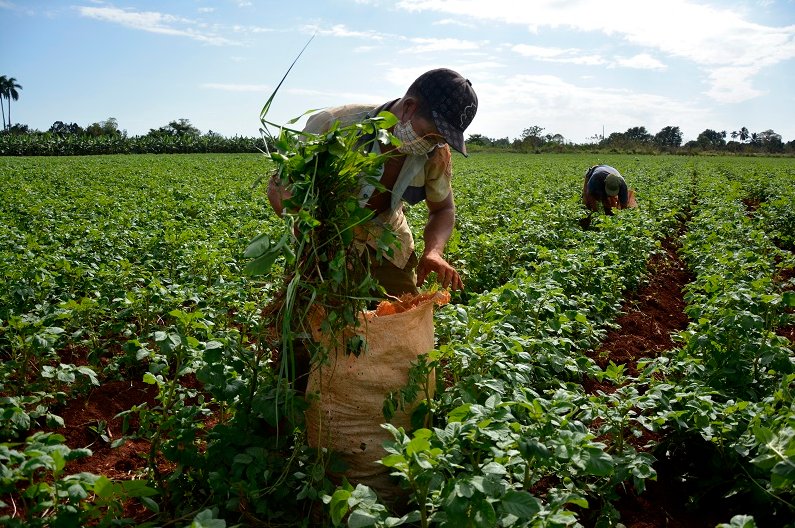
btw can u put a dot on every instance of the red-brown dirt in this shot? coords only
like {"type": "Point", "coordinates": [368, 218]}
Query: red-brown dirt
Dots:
{"type": "Point", "coordinates": [99, 407]}
{"type": "Point", "coordinates": [650, 316]}
{"type": "Point", "coordinates": [87, 418]}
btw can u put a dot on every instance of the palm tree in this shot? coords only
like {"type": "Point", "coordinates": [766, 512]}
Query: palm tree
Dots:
{"type": "Point", "coordinates": [3, 80]}
{"type": "Point", "coordinates": [744, 134]}
{"type": "Point", "coordinates": [9, 91]}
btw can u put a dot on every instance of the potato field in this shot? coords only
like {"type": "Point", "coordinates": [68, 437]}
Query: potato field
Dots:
{"type": "Point", "coordinates": [635, 369]}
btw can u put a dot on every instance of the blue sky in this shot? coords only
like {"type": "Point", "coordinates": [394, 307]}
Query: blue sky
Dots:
{"type": "Point", "coordinates": [571, 67]}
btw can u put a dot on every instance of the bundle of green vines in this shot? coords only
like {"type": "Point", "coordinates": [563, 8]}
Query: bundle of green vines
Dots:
{"type": "Point", "coordinates": [326, 280]}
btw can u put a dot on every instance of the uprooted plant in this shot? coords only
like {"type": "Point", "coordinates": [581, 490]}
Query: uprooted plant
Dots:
{"type": "Point", "coordinates": [327, 284]}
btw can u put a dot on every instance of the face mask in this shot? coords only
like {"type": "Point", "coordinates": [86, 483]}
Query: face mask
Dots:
{"type": "Point", "coordinates": [411, 143]}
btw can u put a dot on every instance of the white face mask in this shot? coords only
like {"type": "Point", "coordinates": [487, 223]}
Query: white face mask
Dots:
{"type": "Point", "coordinates": [411, 143]}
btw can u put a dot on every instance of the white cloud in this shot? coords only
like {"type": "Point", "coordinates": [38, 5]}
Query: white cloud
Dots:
{"type": "Point", "coordinates": [714, 38]}
{"type": "Point", "coordinates": [153, 22]}
{"type": "Point", "coordinates": [402, 77]}
{"type": "Point", "coordinates": [453, 22]}
{"type": "Point", "coordinates": [340, 30]}
{"type": "Point", "coordinates": [541, 52]}
{"type": "Point", "coordinates": [641, 61]}
{"type": "Point", "coordinates": [565, 108]}
{"type": "Point", "coordinates": [426, 45]}
{"type": "Point", "coordinates": [732, 84]}
{"type": "Point", "coordinates": [549, 54]}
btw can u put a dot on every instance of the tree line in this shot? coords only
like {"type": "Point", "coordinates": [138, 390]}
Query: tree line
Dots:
{"type": "Point", "coordinates": [105, 137]}
{"type": "Point", "coordinates": [637, 140]}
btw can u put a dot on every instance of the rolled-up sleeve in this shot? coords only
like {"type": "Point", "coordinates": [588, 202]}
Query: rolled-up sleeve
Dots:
{"type": "Point", "coordinates": [439, 175]}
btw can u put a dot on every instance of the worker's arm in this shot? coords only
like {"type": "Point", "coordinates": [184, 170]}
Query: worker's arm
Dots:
{"type": "Point", "coordinates": [607, 204]}
{"type": "Point", "coordinates": [441, 219]}
{"type": "Point", "coordinates": [623, 195]}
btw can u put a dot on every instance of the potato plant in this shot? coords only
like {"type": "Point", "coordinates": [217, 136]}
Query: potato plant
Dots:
{"type": "Point", "coordinates": [132, 268]}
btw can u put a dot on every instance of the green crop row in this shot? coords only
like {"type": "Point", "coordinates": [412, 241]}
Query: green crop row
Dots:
{"type": "Point", "coordinates": [729, 388]}
{"type": "Point", "coordinates": [130, 267]}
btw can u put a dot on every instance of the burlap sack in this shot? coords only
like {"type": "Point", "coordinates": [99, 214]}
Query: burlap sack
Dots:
{"type": "Point", "coordinates": [346, 395]}
{"type": "Point", "coordinates": [632, 201]}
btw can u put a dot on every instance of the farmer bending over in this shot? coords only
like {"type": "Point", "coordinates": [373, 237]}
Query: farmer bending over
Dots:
{"type": "Point", "coordinates": [433, 114]}
{"type": "Point", "coordinates": [604, 184]}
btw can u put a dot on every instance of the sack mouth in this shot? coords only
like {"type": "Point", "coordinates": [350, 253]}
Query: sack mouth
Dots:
{"type": "Point", "coordinates": [409, 301]}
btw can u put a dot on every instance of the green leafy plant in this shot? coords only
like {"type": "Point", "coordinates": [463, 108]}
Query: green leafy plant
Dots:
{"type": "Point", "coordinates": [35, 477]}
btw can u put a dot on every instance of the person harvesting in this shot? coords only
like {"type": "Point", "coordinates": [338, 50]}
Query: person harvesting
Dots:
{"type": "Point", "coordinates": [432, 117]}
{"type": "Point", "coordinates": [605, 185]}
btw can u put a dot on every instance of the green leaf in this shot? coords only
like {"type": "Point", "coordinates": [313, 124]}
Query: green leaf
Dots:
{"type": "Point", "coordinates": [150, 379]}
{"type": "Point", "coordinates": [533, 449]}
{"type": "Point", "coordinates": [137, 488]}
{"type": "Point", "coordinates": [103, 487]}
{"type": "Point", "coordinates": [80, 452]}
{"type": "Point", "coordinates": [261, 265]}
{"type": "Point", "coordinates": [388, 120]}
{"type": "Point", "coordinates": [460, 413]}
{"type": "Point", "coordinates": [577, 500]}
{"type": "Point", "coordinates": [521, 504]}
{"type": "Point", "coordinates": [258, 246]}
{"type": "Point", "coordinates": [150, 505]}
{"type": "Point", "coordinates": [77, 492]}
{"type": "Point", "coordinates": [494, 468]}
{"type": "Point", "coordinates": [485, 516]}
{"type": "Point", "coordinates": [66, 376]}
{"type": "Point", "coordinates": [89, 372]}
{"type": "Point", "coordinates": [597, 462]}
{"type": "Point", "coordinates": [361, 519]}
{"type": "Point", "coordinates": [418, 445]}
{"type": "Point", "coordinates": [464, 489]}
{"type": "Point", "coordinates": [337, 147]}
{"type": "Point", "coordinates": [739, 521]}
{"type": "Point", "coordinates": [205, 519]}
{"type": "Point", "coordinates": [393, 460]}
{"type": "Point", "coordinates": [339, 505]}
{"type": "Point", "coordinates": [783, 474]}
{"type": "Point", "coordinates": [59, 459]}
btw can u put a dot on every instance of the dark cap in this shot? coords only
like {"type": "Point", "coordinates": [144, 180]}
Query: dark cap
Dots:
{"type": "Point", "coordinates": [452, 102]}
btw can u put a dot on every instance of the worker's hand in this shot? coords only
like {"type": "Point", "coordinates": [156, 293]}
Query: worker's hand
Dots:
{"type": "Point", "coordinates": [446, 274]}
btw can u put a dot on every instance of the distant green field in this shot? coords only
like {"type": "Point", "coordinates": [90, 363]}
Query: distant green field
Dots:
{"type": "Point", "coordinates": [129, 267]}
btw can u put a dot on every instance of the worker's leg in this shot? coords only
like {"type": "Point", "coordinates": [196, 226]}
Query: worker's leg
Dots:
{"type": "Point", "coordinates": [395, 281]}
